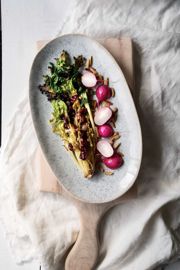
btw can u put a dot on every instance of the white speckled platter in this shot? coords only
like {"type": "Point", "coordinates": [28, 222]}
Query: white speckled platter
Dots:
{"type": "Point", "coordinates": [100, 188]}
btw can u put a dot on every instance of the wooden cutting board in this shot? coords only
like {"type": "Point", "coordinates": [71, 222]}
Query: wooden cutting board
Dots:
{"type": "Point", "coordinates": [84, 253]}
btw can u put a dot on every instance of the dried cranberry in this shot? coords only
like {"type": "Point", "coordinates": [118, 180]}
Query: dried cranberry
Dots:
{"type": "Point", "coordinates": [83, 155]}
{"type": "Point", "coordinates": [70, 146]}
{"type": "Point", "coordinates": [73, 98]}
{"type": "Point", "coordinates": [66, 120]}
{"type": "Point", "coordinates": [64, 97]}
{"type": "Point", "coordinates": [83, 111]}
{"type": "Point", "coordinates": [82, 119]}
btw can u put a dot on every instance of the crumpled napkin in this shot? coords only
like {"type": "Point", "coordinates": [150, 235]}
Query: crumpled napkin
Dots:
{"type": "Point", "coordinates": [149, 234]}
{"type": "Point", "coordinates": [37, 225]}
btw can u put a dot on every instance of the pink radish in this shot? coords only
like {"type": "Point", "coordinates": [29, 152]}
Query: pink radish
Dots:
{"type": "Point", "coordinates": [102, 115]}
{"type": "Point", "coordinates": [105, 130]}
{"type": "Point", "coordinates": [114, 161]}
{"type": "Point", "coordinates": [103, 92]}
{"type": "Point", "coordinates": [88, 79]}
{"type": "Point", "coordinates": [105, 148]}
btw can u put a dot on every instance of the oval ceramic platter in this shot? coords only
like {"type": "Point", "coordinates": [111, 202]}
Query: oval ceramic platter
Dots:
{"type": "Point", "coordinates": [100, 188]}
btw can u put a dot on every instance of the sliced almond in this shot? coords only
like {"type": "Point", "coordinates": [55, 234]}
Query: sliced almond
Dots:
{"type": "Point", "coordinates": [108, 173]}
{"type": "Point", "coordinates": [113, 92]}
{"type": "Point", "coordinates": [114, 109]}
{"type": "Point", "coordinates": [106, 82]}
{"type": "Point", "coordinates": [87, 65]}
{"type": "Point", "coordinates": [114, 137]}
{"type": "Point", "coordinates": [113, 123]}
{"type": "Point", "coordinates": [91, 61]}
{"type": "Point", "coordinates": [116, 145]}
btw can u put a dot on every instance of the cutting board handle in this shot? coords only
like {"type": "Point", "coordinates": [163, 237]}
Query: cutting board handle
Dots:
{"type": "Point", "coordinates": [84, 253]}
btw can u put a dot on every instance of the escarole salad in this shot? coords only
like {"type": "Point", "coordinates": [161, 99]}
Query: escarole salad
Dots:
{"type": "Point", "coordinates": [84, 124]}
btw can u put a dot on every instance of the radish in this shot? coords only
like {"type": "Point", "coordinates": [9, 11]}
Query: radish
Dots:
{"type": "Point", "coordinates": [105, 130]}
{"type": "Point", "coordinates": [102, 115]}
{"type": "Point", "coordinates": [88, 79]}
{"type": "Point", "coordinates": [114, 161]}
{"type": "Point", "coordinates": [105, 148]}
{"type": "Point", "coordinates": [103, 92]}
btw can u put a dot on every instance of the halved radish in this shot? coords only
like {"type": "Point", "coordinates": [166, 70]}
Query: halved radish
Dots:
{"type": "Point", "coordinates": [88, 79]}
{"type": "Point", "coordinates": [105, 130]}
{"type": "Point", "coordinates": [114, 161]}
{"type": "Point", "coordinates": [105, 148]}
{"type": "Point", "coordinates": [102, 115]}
{"type": "Point", "coordinates": [103, 92]}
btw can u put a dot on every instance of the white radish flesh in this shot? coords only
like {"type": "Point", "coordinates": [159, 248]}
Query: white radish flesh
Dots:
{"type": "Point", "coordinates": [105, 148]}
{"type": "Point", "coordinates": [88, 79]}
{"type": "Point", "coordinates": [102, 115]}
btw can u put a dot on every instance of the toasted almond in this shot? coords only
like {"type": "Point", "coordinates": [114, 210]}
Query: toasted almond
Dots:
{"type": "Point", "coordinates": [113, 92]}
{"type": "Point", "coordinates": [114, 109]}
{"type": "Point", "coordinates": [116, 145]}
{"type": "Point", "coordinates": [87, 65]}
{"type": "Point", "coordinates": [106, 82]}
{"type": "Point", "coordinates": [114, 117]}
{"type": "Point", "coordinates": [113, 123]}
{"type": "Point", "coordinates": [90, 61]}
{"type": "Point", "coordinates": [116, 133]}
{"type": "Point", "coordinates": [108, 173]}
{"type": "Point", "coordinates": [114, 137]}
{"type": "Point", "coordinates": [93, 70]}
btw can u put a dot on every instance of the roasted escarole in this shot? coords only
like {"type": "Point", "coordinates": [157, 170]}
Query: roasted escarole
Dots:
{"type": "Point", "coordinates": [72, 115]}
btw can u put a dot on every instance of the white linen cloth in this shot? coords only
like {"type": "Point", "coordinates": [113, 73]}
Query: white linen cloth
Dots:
{"type": "Point", "coordinates": [43, 226]}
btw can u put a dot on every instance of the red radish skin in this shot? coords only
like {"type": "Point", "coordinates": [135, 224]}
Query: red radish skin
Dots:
{"type": "Point", "coordinates": [114, 162]}
{"type": "Point", "coordinates": [105, 131]}
{"type": "Point", "coordinates": [103, 92]}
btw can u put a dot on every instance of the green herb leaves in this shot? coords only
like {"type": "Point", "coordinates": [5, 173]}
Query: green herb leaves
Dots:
{"type": "Point", "coordinates": [62, 71]}
{"type": "Point", "coordinates": [71, 117]}
{"type": "Point", "coordinates": [60, 108]}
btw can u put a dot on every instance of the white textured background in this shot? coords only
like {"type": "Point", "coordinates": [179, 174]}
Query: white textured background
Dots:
{"type": "Point", "coordinates": [24, 22]}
